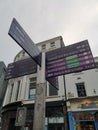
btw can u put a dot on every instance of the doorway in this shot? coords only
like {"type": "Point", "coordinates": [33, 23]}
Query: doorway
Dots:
{"type": "Point", "coordinates": [12, 126]}
{"type": "Point", "coordinates": [56, 127]}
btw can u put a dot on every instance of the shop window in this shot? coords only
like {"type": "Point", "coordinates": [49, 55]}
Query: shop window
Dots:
{"type": "Point", "coordinates": [83, 121]}
{"type": "Point", "coordinates": [81, 89]}
{"type": "Point", "coordinates": [96, 116]}
{"type": "Point", "coordinates": [29, 119]}
{"type": "Point", "coordinates": [32, 88]}
{"type": "Point", "coordinates": [52, 90]}
{"type": "Point", "coordinates": [54, 112]}
{"type": "Point", "coordinates": [89, 125]}
{"type": "Point", "coordinates": [83, 116]}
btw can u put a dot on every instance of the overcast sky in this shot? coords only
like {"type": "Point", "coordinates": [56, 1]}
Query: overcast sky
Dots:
{"type": "Point", "coordinates": [74, 20]}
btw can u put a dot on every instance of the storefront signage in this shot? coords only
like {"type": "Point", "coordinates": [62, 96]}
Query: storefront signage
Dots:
{"type": "Point", "coordinates": [89, 105]}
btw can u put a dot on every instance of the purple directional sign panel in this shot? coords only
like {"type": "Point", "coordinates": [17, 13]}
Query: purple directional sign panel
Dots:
{"type": "Point", "coordinates": [70, 59]}
{"type": "Point", "coordinates": [22, 38]}
{"type": "Point", "coordinates": [21, 68]}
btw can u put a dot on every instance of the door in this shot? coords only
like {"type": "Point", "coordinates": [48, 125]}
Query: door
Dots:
{"type": "Point", "coordinates": [12, 126]}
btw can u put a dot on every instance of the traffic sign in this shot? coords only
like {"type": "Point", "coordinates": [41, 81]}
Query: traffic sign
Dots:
{"type": "Point", "coordinates": [69, 59]}
{"type": "Point", "coordinates": [21, 68]}
{"type": "Point", "coordinates": [22, 38]}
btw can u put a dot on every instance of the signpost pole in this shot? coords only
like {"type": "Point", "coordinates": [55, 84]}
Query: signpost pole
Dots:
{"type": "Point", "coordinates": [39, 110]}
{"type": "Point", "coordinates": [65, 107]}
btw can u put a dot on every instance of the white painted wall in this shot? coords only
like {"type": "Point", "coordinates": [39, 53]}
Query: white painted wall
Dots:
{"type": "Point", "coordinates": [24, 85]}
{"type": "Point", "coordinates": [89, 77]}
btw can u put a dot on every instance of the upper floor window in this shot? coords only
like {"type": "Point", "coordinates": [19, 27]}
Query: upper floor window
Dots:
{"type": "Point", "coordinates": [11, 91]}
{"type": "Point", "coordinates": [23, 53]}
{"type": "Point", "coordinates": [81, 89]}
{"type": "Point", "coordinates": [97, 65]}
{"type": "Point", "coordinates": [52, 44]}
{"type": "Point", "coordinates": [18, 56]}
{"type": "Point", "coordinates": [79, 78]}
{"type": "Point", "coordinates": [17, 91]}
{"type": "Point", "coordinates": [43, 46]}
{"type": "Point", "coordinates": [32, 88]}
{"type": "Point", "coordinates": [52, 90]}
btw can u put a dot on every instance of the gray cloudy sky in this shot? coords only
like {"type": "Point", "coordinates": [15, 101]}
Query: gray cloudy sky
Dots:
{"type": "Point", "coordinates": [74, 20]}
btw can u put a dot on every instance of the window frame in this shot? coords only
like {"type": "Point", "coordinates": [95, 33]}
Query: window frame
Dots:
{"type": "Point", "coordinates": [18, 88]}
{"type": "Point", "coordinates": [52, 44]}
{"type": "Point", "coordinates": [52, 90]}
{"type": "Point", "coordinates": [43, 47]}
{"type": "Point", "coordinates": [81, 91]}
{"type": "Point", "coordinates": [32, 87]}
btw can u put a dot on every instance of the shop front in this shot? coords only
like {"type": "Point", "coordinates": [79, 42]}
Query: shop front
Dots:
{"type": "Point", "coordinates": [54, 116]}
{"type": "Point", "coordinates": [83, 120]}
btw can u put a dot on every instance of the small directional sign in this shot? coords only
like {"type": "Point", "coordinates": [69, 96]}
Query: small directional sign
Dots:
{"type": "Point", "coordinates": [21, 37]}
{"type": "Point", "coordinates": [21, 68]}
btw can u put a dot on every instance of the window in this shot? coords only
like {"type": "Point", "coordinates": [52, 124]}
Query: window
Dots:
{"type": "Point", "coordinates": [82, 116]}
{"type": "Point", "coordinates": [17, 91]}
{"type": "Point", "coordinates": [11, 92]}
{"type": "Point", "coordinates": [79, 78]}
{"type": "Point", "coordinates": [23, 53]}
{"type": "Point", "coordinates": [54, 111]}
{"type": "Point", "coordinates": [32, 88]}
{"type": "Point", "coordinates": [43, 47]}
{"type": "Point", "coordinates": [52, 90]}
{"type": "Point", "coordinates": [97, 65]}
{"type": "Point", "coordinates": [52, 44]}
{"type": "Point", "coordinates": [81, 89]}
